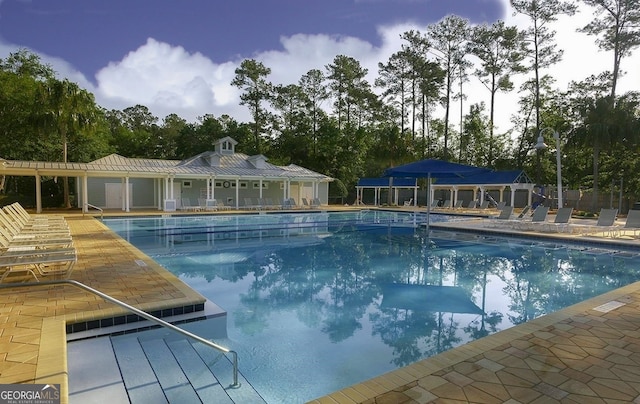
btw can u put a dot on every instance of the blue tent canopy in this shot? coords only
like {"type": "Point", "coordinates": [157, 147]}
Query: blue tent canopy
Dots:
{"type": "Point", "coordinates": [384, 182]}
{"type": "Point", "coordinates": [433, 168]}
{"type": "Point", "coordinates": [487, 178]}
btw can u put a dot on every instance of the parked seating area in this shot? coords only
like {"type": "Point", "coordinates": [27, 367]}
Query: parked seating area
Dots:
{"type": "Point", "coordinates": [34, 248]}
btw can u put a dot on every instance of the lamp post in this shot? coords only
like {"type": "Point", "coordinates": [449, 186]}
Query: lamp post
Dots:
{"type": "Point", "coordinates": [542, 146]}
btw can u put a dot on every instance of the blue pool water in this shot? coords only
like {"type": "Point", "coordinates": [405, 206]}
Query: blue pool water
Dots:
{"type": "Point", "coordinates": [320, 301]}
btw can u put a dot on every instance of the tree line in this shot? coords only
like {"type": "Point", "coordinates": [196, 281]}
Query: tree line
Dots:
{"type": "Point", "coordinates": [334, 121]}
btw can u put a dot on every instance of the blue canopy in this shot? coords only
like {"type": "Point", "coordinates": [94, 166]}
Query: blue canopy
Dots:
{"type": "Point", "coordinates": [384, 182]}
{"type": "Point", "coordinates": [433, 168]}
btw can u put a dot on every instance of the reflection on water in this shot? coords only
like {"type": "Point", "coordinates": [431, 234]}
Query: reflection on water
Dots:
{"type": "Point", "coordinates": [317, 302]}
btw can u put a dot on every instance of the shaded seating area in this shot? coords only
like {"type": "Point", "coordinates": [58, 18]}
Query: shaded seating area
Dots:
{"type": "Point", "coordinates": [381, 185]}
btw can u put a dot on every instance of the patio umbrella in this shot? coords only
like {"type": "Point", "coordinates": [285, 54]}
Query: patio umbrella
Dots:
{"type": "Point", "coordinates": [432, 168]}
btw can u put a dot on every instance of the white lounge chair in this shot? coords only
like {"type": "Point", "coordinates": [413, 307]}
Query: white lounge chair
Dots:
{"type": "Point", "coordinates": [19, 231]}
{"type": "Point", "coordinates": [186, 205]}
{"type": "Point", "coordinates": [54, 262]}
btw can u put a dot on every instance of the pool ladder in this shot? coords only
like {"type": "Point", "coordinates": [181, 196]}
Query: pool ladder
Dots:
{"type": "Point", "coordinates": [140, 313]}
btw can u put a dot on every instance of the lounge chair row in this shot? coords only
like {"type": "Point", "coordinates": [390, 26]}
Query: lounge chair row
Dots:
{"type": "Point", "coordinates": [471, 205]}
{"type": "Point", "coordinates": [33, 247]}
{"type": "Point", "coordinates": [537, 221]}
{"type": "Point", "coordinates": [249, 204]}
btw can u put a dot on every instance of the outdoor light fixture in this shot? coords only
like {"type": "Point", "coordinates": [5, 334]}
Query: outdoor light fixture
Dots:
{"type": "Point", "coordinates": [542, 146]}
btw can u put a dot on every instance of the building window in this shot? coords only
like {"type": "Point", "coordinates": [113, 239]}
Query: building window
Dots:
{"type": "Point", "coordinates": [244, 185]}
{"type": "Point", "coordinates": [186, 184]}
{"type": "Point", "coordinates": [256, 185]}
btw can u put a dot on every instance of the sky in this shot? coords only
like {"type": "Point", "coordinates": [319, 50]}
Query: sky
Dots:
{"type": "Point", "coordinates": [180, 57]}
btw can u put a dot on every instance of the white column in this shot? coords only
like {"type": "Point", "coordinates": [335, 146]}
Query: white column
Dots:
{"type": "Point", "coordinates": [260, 185]}
{"type": "Point", "coordinates": [85, 194]}
{"type": "Point", "coordinates": [122, 194]}
{"type": "Point", "coordinates": [159, 194]}
{"type": "Point", "coordinates": [126, 193]}
{"type": "Point", "coordinates": [237, 192]}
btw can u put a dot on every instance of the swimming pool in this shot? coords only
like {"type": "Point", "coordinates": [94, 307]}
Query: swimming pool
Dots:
{"type": "Point", "coordinates": [320, 301]}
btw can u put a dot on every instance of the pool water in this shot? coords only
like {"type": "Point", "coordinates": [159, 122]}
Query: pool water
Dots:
{"type": "Point", "coordinates": [320, 301]}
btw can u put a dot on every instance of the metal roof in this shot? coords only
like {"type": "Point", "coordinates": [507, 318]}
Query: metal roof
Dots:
{"type": "Point", "coordinates": [230, 166]}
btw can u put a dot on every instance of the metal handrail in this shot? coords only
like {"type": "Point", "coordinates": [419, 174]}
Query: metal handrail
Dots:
{"type": "Point", "coordinates": [142, 314]}
{"type": "Point", "coordinates": [96, 208]}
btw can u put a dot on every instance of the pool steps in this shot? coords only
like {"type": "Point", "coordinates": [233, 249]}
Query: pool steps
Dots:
{"type": "Point", "coordinates": [153, 367]}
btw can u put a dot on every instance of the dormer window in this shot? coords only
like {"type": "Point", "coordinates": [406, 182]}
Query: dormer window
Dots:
{"type": "Point", "coordinates": [225, 145]}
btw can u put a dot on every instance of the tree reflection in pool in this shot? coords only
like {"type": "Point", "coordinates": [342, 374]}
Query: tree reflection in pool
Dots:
{"type": "Point", "coordinates": [320, 301]}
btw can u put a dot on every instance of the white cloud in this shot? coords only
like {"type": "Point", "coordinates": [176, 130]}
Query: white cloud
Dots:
{"type": "Point", "coordinates": [168, 79]}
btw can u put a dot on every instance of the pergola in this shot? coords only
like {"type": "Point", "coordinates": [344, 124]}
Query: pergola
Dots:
{"type": "Point", "coordinates": [486, 181]}
{"type": "Point", "coordinates": [378, 184]}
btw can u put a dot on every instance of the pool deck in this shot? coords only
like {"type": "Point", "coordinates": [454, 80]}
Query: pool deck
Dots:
{"type": "Point", "coordinates": [589, 352]}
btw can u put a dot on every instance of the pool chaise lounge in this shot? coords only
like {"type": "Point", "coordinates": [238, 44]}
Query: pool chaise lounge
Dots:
{"type": "Point", "coordinates": [631, 225]}
{"type": "Point", "coordinates": [44, 262]}
{"type": "Point", "coordinates": [606, 223]}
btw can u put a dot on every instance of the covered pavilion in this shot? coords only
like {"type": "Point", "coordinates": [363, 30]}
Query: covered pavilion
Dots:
{"type": "Point", "coordinates": [117, 182]}
{"type": "Point", "coordinates": [482, 183]}
{"type": "Point", "coordinates": [378, 184]}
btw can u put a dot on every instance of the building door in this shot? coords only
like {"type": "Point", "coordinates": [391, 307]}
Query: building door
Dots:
{"type": "Point", "coordinates": [113, 195]}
